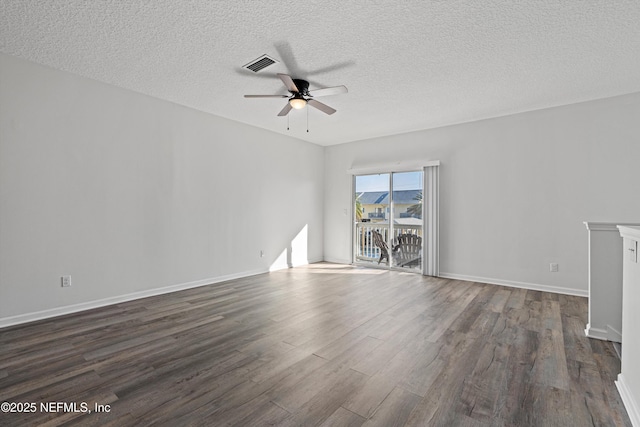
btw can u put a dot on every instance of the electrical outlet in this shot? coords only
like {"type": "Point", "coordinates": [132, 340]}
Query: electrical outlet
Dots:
{"type": "Point", "coordinates": [553, 267]}
{"type": "Point", "coordinates": [261, 254]}
{"type": "Point", "coordinates": [66, 281]}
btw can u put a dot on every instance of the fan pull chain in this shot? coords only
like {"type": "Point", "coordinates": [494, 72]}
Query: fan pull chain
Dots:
{"type": "Point", "coordinates": [307, 119]}
{"type": "Point", "coordinates": [287, 122]}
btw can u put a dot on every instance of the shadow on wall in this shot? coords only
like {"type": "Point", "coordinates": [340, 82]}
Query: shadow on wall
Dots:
{"type": "Point", "coordinates": [296, 254]}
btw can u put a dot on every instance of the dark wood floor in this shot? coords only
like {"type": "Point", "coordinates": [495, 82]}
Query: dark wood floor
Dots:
{"type": "Point", "coordinates": [321, 345]}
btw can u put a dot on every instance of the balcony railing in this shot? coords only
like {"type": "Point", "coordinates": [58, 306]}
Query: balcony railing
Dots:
{"type": "Point", "coordinates": [376, 215]}
{"type": "Point", "coordinates": [408, 215]}
{"type": "Point", "coordinates": [366, 250]}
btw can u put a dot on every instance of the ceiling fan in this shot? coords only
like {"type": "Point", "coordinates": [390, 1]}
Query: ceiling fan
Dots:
{"type": "Point", "coordinates": [300, 95]}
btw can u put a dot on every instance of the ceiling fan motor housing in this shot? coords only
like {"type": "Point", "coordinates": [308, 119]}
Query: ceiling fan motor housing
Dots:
{"type": "Point", "coordinates": [302, 85]}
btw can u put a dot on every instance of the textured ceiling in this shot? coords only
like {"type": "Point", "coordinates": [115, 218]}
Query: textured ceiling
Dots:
{"type": "Point", "coordinates": [409, 65]}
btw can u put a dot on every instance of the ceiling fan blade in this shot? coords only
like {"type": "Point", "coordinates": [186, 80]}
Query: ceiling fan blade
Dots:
{"type": "Point", "coordinates": [285, 110]}
{"type": "Point", "coordinates": [266, 96]}
{"type": "Point", "coordinates": [288, 82]}
{"type": "Point", "coordinates": [328, 91]}
{"type": "Point", "coordinates": [320, 106]}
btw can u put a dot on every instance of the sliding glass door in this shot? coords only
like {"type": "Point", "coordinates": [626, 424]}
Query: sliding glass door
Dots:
{"type": "Point", "coordinates": [372, 211]}
{"type": "Point", "coordinates": [388, 220]}
{"type": "Point", "coordinates": [407, 220]}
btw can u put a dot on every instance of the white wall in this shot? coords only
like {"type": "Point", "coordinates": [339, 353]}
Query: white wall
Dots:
{"type": "Point", "coordinates": [128, 194]}
{"type": "Point", "coordinates": [514, 190]}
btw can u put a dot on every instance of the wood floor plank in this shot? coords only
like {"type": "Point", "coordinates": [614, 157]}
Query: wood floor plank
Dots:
{"type": "Point", "coordinates": [499, 300]}
{"type": "Point", "coordinates": [241, 401]}
{"type": "Point", "coordinates": [453, 310]}
{"type": "Point", "coordinates": [307, 388]}
{"type": "Point", "coordinates": [587, 393]}
{"type": "Point", "coordinates": [424, 372]}
{"type": "Point", "coordinates": [517, 402]}
{"type": "Point", "coordinates": [516, 299]}
{"type": "Point", "coordinates": [338, 345]}
{"type": "Point", "coordinates": [269, 414]}
{"type": "Point", "coordinates": [365, 401]}
{"type": "Point", "coordinates": [439, 403]}
{"type": "Point", "coordinates": [482, 391]}
{"type": "Point", "coordinates": [576, 343]}
{"type": "Point", "coordinates": [323, 344]}
{"type": "Point", "coordinates": [343, 418]}
{"type": "Point", "coordinates": [394, 410]}
{"type": "Point", "coordinates": [390, 348]}
{"type": "Point", "coordinates": [324, 403]}
{"type": "Point", "coordinates": [551, 363]}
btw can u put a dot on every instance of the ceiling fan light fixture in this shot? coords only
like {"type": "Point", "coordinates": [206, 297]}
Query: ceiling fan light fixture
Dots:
{"type": "Point", "coordinates": [299, 95]}
{"type": "Point", "coordinates": [297, 103]}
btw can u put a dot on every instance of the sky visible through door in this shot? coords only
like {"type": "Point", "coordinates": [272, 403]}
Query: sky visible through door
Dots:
{"type": "Point", "coordinates": [380, 182]}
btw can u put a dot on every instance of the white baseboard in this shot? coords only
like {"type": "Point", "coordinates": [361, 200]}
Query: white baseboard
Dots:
{"type": "Point", "coordinates": [596, 333]}
{"type": "Point", "coordinates": [608, 334]}
{"type": "Point", "coordinates": [629, 403]}
{"type": "Point", "coordinates": [513, 284]}
{"type": "Point", "coordinates": [59, 311]}
{"type": "Point", "coordinates": [283, 266]}
{"type": "Point", "coordinates": [613, 334]}
{"type": "Point", "coordinates": [338, 260]}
